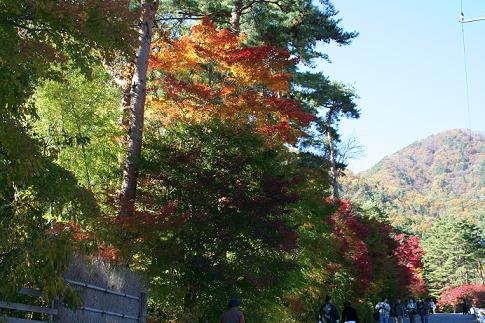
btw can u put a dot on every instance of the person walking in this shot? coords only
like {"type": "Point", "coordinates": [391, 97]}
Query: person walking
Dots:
{"type": "Point", "coordinates": [432, 306]}
{"type": "Point", "coordinates": [328, 312]}
{"type": "Point", "coordinates": [464, 307]}
{"type": "Point", "coordinates": [384, 310]}
{"type": "Point", "coordinates": [233, 315]}
{"type": "Point", "coordinates": [399, 311]}
{"type": "Point", "coordinates": [423, 311]}
{"type": "Point", "coordinates": [349, 314]}
{"type": "Point", "coordinates": [412, 309]}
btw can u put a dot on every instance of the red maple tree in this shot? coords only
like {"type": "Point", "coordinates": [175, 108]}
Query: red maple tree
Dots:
{"type": "Point", "coordinates": [210, 73]}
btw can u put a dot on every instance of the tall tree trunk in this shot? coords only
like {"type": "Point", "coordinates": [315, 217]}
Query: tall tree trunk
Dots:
{"type": "Point", "coordinates": [480, 271]}
{"type": "Point", "coordinates": [125, 104]}
{"type": "Point", "coordinates": [333, 157]}
{"type": "Point", "coordinates": [122, 73]}
{"type": "Point", "coordinates": [124, 121]}
{"type": "Point", "coordinates": [137, 109]}
{"type": "Point", "coordinates": [236, 16]}
{"type": "Point", "coordinates": [333, 165]}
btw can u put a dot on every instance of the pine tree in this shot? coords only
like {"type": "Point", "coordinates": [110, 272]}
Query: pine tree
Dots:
{"type": "Point", "coordinates": [329, 102]}
{"type": "Point", "coordinates": [452, 249]}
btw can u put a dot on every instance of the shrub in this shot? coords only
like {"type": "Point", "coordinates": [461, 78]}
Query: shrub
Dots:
{"type": "Point", "coordinates": [474, 294]}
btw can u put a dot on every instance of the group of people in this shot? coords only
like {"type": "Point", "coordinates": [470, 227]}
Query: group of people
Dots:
{"type": "Point", "coordinates": [412, 309]}
{"type": "Point", "coordinates": [328, 312]}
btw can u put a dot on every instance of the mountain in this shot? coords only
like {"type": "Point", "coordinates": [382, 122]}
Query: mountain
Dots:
{"type": "Point", "coordinates": [441, 174]}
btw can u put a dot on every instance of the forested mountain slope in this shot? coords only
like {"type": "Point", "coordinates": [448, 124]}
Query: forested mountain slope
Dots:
{"type": "Point", "coordinates": [441, 174]}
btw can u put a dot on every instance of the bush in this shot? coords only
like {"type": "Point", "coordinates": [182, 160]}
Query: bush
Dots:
{"type": "Point", "coordinates": [474, 294]}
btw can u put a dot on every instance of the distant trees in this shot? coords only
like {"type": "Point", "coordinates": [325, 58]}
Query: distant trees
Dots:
{"type": "Point", "coordinates": [454, 251]}
{"type": "Point", "coordinates": [420, 181]}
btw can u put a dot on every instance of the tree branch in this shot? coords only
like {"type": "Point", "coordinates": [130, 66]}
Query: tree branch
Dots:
{"type": "Point", "coordinates": [16, 24]}
{"type": "Point", "coordinates": [199, 16]}
{"type": "Point", "coordinates": [253, 2]}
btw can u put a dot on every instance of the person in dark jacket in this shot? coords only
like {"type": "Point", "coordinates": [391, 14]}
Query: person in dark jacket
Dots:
{"type": "Point", "coordinates": [349, 314]}
{"type": "Point", "coordinates": [464, 307]}
{"type": "Point", "coordinates": [399, 310]}
{"type": "Point", "coordinates": [328, 312]}
{"type": "Point", "coordinates": [412, 309]}
{"type": "Point", "coordinates": [423, 311]}
{"type": "Point", "coordinates": [233, 315]}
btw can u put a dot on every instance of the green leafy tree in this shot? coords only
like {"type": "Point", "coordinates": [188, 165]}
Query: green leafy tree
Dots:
{"type": "Point", "coordinates": [30, 253]}
{"type": "Point", "coordinates": [37, 37]}
{"type": "Point", "coordinates": [214, 219]}
{"type": "Point", "coordinates": [77, 124]}
{"type": "Point", "coordinates": [42, 34]}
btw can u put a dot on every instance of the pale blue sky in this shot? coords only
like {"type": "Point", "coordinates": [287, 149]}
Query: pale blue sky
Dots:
{"type": "Point", "coordinates": [407, 67]}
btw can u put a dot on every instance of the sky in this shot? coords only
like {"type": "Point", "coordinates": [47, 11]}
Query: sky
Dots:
{"type": "Point", "coordinates": [407, 66]}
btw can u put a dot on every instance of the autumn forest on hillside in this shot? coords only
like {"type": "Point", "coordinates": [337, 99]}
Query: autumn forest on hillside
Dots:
{"type": "Point", "coordinates": [197, 145]}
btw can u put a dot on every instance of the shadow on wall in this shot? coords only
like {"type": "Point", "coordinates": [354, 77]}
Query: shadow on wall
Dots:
{"type": "Point", "coordinates": [109, 294]}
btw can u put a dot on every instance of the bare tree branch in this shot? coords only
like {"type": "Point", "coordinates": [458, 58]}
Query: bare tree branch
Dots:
{"type": "Point", "coordinates": [349, 149]}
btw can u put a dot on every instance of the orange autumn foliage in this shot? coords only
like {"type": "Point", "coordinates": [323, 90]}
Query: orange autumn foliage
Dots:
{"type": "Point", "coordinates": [212, 74]}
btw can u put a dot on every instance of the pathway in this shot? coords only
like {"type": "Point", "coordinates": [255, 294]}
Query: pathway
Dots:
{"type": "Point", "coordinates": [448, 318]}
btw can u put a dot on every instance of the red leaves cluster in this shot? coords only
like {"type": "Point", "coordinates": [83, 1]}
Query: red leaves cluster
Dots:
{"type": "Point", "coordinates": [351, 233]}
{"type": "Point", "coordinates": [211, 74]}
{"type": "Point", "coordinates": [80, 11]}
{"type": "Point", "coordinates": [409, 254]}
{"type": "Point", "coordinates": [83, 238]}
{"type": "Point", "coordinates": [454, 295]}
{"type": "Point", "coordinates": [368, 243]}
{"type": "Point", "coordinates": [288, 237]}
{"type": "Point", "coordinates": [258, 282]}
{"type": "Point", "coordinates": [274, 230]}
{"type": "Point", "coordinates": [143, 224]}
{"type": "Point", "coordinates": [409, 251]}
{"type": "Point", "coordinates": [69, 230]}
{"type": "Point", "coordinates": [108, 253]}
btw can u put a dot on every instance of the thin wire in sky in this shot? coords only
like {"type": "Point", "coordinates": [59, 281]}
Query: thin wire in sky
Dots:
{"type": "Point", "coordinates": [466, 70]}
